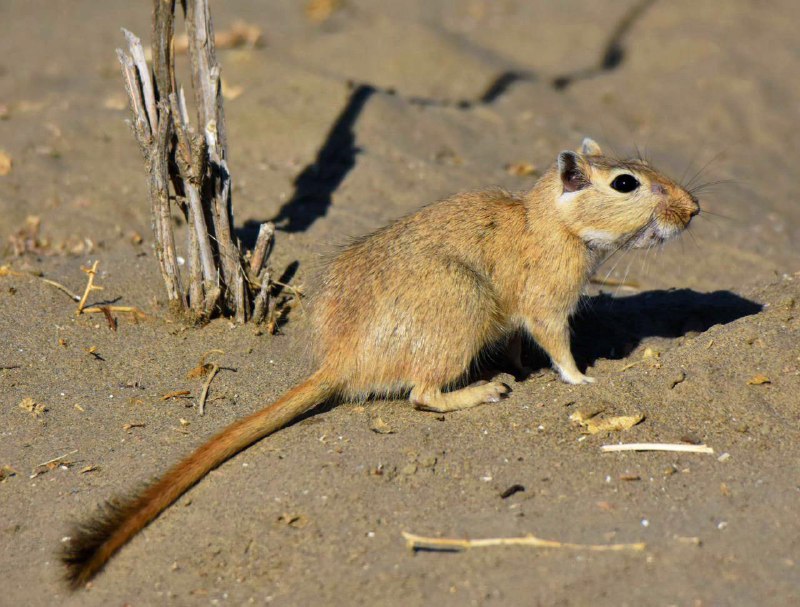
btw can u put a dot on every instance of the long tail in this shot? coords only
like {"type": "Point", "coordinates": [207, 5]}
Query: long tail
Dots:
{"type": "Point", "coordinates": [93, 543]}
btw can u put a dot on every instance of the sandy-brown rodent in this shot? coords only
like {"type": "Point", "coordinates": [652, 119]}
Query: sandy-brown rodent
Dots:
{"type": "Point", "coordinates": [410, 306]}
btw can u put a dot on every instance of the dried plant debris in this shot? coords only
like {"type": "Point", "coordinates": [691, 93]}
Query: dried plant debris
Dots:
{"type": "Point", "coordinates": [759, 380]}
{"type": "Point", "coordinates": [297, 521]}
{"type": "Point", "coordinates": [105, 310]}
{"type": "Point", "coordinates": [27, 238]}
{"type": "Point", "coordinates": [31, 406]}
{"type": "Point", "coordinates": [417, 542]}
{"type": "Point", "coordinates": [202, 369]}
{"type": "Point", "coordinates": [378, 426]}
{"type": "Point", "coordinates": [675, 447]}
{"type": "Point", "coordinates": [517, 488]}
{"type": "Point", "coordinates": [29, 242]}
{"type": "Point", "coordinates": [590, 421]}
{"type": "Point", "coordinates": [177, 394]}
{"type": "Point", "coordinates": [6, 472]}
{"type": "Point", "coordinates": [94, 353]}
{"type": "Point", "coordinates": [320, 11]}
{"type": "Point", "coordinates": [60, 461]}
{"type": "Point", "coordinates": [201, 405]}
{"type": "Point", "coordinates": [5, 163]}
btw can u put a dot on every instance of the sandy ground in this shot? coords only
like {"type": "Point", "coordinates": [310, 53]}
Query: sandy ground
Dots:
{"type": "Point", "coordinates": [706, 347]}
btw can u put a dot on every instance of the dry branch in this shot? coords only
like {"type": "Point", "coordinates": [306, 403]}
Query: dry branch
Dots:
{"type": "Point", "coordinates": [90, 286]}
{"type": "Point", "coordinates": [201, 408]}
{"type": "Point", "coordinates": [188, 163]}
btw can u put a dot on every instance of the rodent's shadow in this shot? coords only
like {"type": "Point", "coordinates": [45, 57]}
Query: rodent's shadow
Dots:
{"type": "Point", "coordinates": [611, 327]}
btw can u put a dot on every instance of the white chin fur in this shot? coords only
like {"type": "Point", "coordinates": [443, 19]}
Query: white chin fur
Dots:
{"type": "Point", "coordinates": [598, 239]}
{"type": "Point", "coordinates": [658, 234]}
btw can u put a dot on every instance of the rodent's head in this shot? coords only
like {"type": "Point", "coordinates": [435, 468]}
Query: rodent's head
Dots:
{"type": "Point", "coordinates": [612, 203]}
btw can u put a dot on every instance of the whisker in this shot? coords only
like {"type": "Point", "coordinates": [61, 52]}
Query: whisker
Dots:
{"type": "Point", "coordinates": [709, 184]}
{"type": "Point", "coordinates": [703, 168]}
{"type": "Point", "coordinates": [627, 241]}
{"type": "Point", "coordinates": [720, 215]}
{"type": "Point", "coordinates": [694, 240]}
{"type": "Point", "coordinates": [689, 165]}
{"type": "Point", "coordinates": [644, 261]}
{"type": "Point", "coordinates": [616, 263]}
{"type": "Point", "coordinates": [624, 280]}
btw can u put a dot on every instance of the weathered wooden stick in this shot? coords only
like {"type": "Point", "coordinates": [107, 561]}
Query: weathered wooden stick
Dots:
{"type": "Point", "coordinates": [148, 96]}
{"type": "Point", "coordinates": [151, 126]}
{"type": "Point", "coordinates": [193, 161]}
{"type": "Point", "coordinates": [189, 164]}
{"type": "Point", "coordinates": [211, 119]}
{"type": "Point", "coordinates": [262, 299]}
{"type": "Point", "coordinates": [259, 270]}
{"type": "Point", "coordinates": [263, 248]}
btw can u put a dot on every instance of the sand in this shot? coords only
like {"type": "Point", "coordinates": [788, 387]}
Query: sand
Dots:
{"type": "Point", "coordinates": [705, 344]}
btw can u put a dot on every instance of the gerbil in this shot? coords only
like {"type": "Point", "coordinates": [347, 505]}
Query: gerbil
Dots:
{"type": "Point", "coordinates": [410, 306]}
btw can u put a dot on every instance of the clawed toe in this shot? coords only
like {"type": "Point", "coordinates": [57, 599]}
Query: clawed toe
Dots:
{"type": "Point", "coordinates": [494, 391]}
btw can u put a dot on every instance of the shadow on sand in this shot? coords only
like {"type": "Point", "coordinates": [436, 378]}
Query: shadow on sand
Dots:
{"type": "Point", "coordinates": [611, 327]}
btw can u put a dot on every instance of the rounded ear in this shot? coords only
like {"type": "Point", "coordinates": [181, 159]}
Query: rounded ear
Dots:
{"type": "Point", "coordinates": [589, 147]}
{"type": "Point", "coordinates": [573, 175]}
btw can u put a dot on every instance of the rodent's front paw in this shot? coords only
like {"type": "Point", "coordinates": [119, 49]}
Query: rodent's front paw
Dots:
{"type": "Point", "coordinates": [576, 378]}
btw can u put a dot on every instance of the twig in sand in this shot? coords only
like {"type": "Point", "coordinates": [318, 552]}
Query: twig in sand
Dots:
{"type": "Point", "coordinates": [175, 394]}
{"type": "Point", "coordinates": [204, 394]}
{"type": "Point", "coordinates": [56, 459]}
{"type": "Point", "coordinates": [417, 542]}
{"type": "Point", "coordinates": [658, 447]}
{"type": "Point", "coordinates": [126, 309]}
{"type": "Point", "coordinates": [202, 368]}
{"type": "Point", "coordinates": [6, 271]}
{"type": "Point", "coordinates": [60, 287]}
{"type": "Point", "coordinates": [90, 286]}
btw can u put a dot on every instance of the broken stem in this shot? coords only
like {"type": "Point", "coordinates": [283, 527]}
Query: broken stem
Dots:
{"type": "Point", "coordinates": [122, 309]}
{"type": "Point", "coordinates": [683, 448]}
{"type": "Point", "coordinates": [204, 394]}
{"type": "Point", "coordinates": [56, 459]}
{"type": "Point", "coordinates": [92, 272]}
{"type": "Point", "coordinates": [60, 287]}
{"type": "Point", "coordinates": [418, 542]}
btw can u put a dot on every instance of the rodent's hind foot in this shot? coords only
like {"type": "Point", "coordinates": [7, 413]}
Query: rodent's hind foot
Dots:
{"type": "Point", "coordinates": [465, 398]}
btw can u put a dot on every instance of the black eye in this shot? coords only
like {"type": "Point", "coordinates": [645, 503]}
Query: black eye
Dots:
{"type": "Point", "coordinates": [625, 183]}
